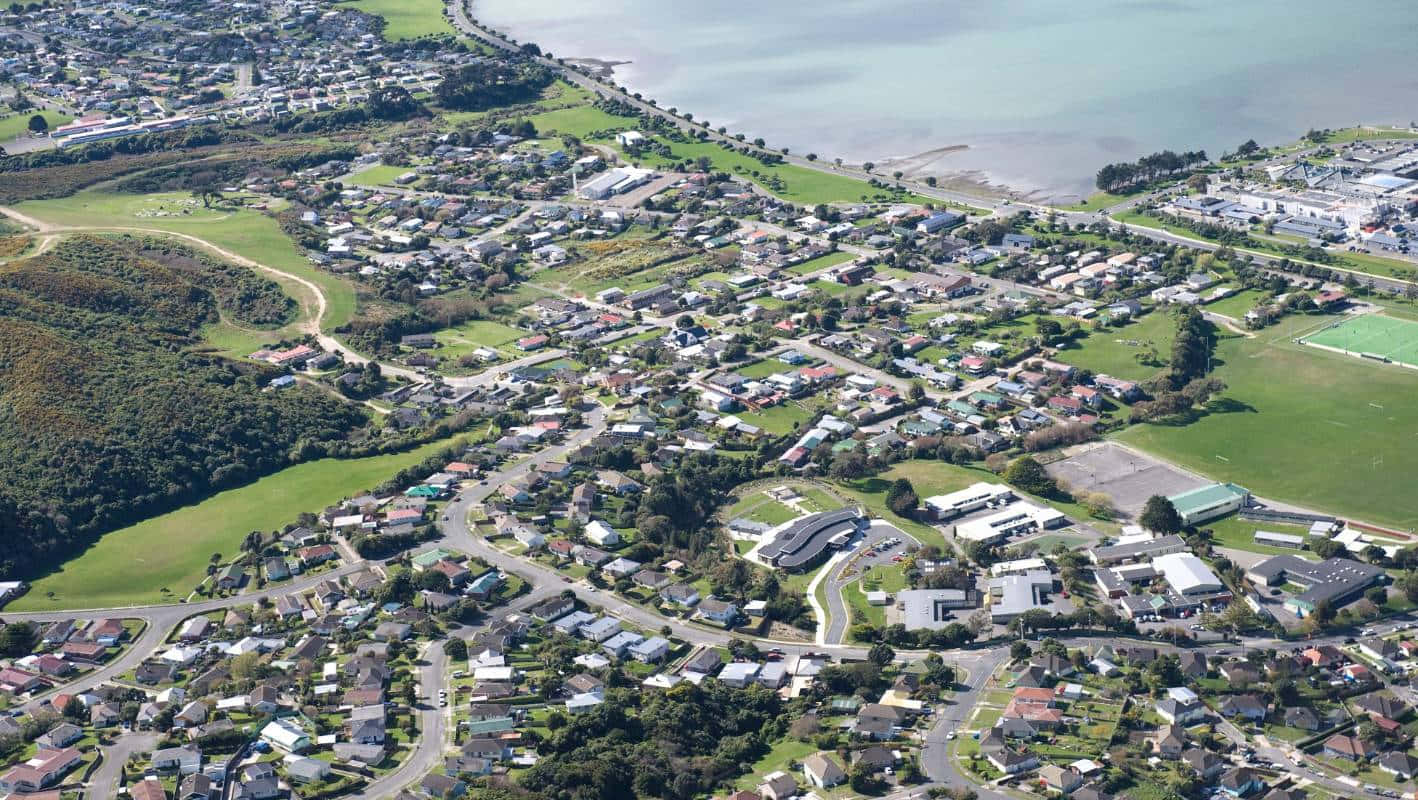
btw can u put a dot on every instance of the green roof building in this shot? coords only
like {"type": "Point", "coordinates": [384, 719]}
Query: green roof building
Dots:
{"type": "Point", "coordinates": [1209, 502]}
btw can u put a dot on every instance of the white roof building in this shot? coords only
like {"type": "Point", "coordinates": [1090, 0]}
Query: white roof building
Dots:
{"type": "Point", "coordinates": [1187, 574]}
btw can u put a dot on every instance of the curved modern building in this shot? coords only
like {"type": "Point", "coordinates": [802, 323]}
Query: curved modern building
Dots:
{"type": "Point", "coordinates": [807, 541]}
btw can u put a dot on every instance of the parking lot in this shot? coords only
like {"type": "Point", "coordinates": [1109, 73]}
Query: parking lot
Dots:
{"type": "Point", "coordinates": [1127, 477]}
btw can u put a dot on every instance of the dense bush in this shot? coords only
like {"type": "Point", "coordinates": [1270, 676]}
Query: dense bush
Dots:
{"type": "Point", "coordinates": [105, 417]}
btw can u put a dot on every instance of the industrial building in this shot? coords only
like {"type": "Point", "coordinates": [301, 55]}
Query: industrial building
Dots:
{"type": "Point", "coordinates": [1187, 574]}
{"type": "Point", "coordinates": [972, 498]}
{"type": "Point", "coordinates": [1137, 549]}
{"type": "Point", "coordinates": [1012, 520]}
{"type": "Point", "coordinates": [1209, 502]}
{"type": "Point", "coordinates": [931, 608]}
{"type": "Point", "coordinates": [1012, 595]}
{"type": "Point", "coordinates": [805, 542]}
{"type": "Point", "coordinates": [1334, 580]}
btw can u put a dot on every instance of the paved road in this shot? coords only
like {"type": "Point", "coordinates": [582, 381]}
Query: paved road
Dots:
{"type": "Point", "coordinates": [104, 782]}
{"type": "Point", "coordinates": [837, 610]}
{"type": "Point", "coordinates": [433, 729]}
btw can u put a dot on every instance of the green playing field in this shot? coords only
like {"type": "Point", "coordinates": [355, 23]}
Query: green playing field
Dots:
{"type": "Point", "coordinates": [1372, 334]}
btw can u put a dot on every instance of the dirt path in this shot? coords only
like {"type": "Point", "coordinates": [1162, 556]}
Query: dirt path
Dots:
{"type": "Point", "coordinates": [311, 316]}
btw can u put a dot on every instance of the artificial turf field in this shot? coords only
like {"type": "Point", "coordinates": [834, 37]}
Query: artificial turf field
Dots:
{"type": "Point", "coordinates": [1373, 334]}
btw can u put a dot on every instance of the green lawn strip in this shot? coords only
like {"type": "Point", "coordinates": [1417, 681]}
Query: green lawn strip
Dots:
{"type": "Point", "coordinates": [1097, 202]}
{"type": "Point", "coordinates": [247, 233]}
{"type": "Point", "coordinates": [378, 175]}
{"type": "Point", "coordinates": [407, 19]}
{"type": "Point", "coordinates": [1302, 425]}
{"type": "Point", "coordinates": [132, 565]}
{"type": "Point", "coordinates": [861, 610]}
{"type": "Point", "coordinates": [18, 123]}
{"type": "Point", "coordinates": [822, 262]}
{"type": "Point", "coordinates": [1239, 534]}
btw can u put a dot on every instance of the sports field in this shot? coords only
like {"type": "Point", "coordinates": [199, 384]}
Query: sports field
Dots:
{"type": "Point", "coordinates": [1303, 425]}
{"type": "Point", "coordinates": [1373, 334]}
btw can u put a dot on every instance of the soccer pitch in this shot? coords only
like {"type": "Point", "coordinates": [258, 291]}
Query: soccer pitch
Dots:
{"type": "Point", "coordinates": [1372, 335]}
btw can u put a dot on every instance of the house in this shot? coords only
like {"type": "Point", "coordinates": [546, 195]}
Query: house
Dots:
{"type": "Point", "coordinates": [823, 771]}
{"type": "Point", "coordinates": [650, 650]}
{"type": "Point", "coordinates": [1181, 709]}
{"type": "Point", "coordinates": [442, 786]}
{"type": "Point", "coordinates": [1302, 717]}
{"type": "Point", "coordinates": [147, 789]}
{"type": "Point", "coordinates": [44, 770]}
{"type": "Point", "coordinates": [1353, 748]}
{"type": "Point", "coordinates": [1011, 761]}
{"type": "Point", "coordinates": [182, 760]}
{"type": "Point", "coordinates": [307, 770]}
{"type": "Point", "coordinates": [718, 610]}
{"type": "Point", "coordinates": [60, 736]}
{"type": "Point", "coordinates": [1170, 741]}
{"type": "Point", "coordinates": [1204, 763]}
{"type": "Point", "coordinates": [1375, 647]}
{"type": "Point", "coordinates": [875, 757]}
{"type": "Point", "coordinates": [1241, 781]}
{"type": "Point", "coordinates": [1400, 765]}
{"type": "Point", "coordinates": [1246, 706]}
{"type": "Point", "coordinates": [601, 534]}
{"type": "Point", "coordinates": [285, 735]}
{"type": "Point", "coordinates": [1060, 779]}
{"type": "Point", "coordinates": [777, 785]}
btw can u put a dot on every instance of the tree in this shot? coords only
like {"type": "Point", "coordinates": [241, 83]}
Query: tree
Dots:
{"type": "Point", "coordinates": [456, 649]}
{"type": "Point", "coordinates": [393, 103]}
{"type": "Point", "coordinates": [881, 654]}
{"type": "Point", "coordinates": [901, 498]}
{"type": "Point", "coordinates": [1019, 651]}
{"type": "Point", "coordinates": [1027, 474]}
{"type": "Point", "coordinates": [38, 124]}
{"type": "Point", "coordinates": [1160, 516]}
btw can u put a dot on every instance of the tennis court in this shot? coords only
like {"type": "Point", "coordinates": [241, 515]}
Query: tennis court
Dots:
{"type": "Point", "coordinates": [1372, 335]}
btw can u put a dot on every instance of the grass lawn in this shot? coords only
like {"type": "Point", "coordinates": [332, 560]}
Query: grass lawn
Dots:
{"type": "Point", "coordinates": [1237, 304]}
{"type": "Point", "coordinates": [1098, 201]}
{"type": "Point", "coordinates": [1298, 424]}
{"type": "Point", "coordinates": [133, 565]}
{"type": "Point", "coordinates": [822, 262]}
{"type": "Point", "coordinates": [17, 124]}
{"type": "Point", "coordinates": [580, 121]}
{"type": "Point", "coordinates": [1115, 351]}
{"type": "Point", "coordinates": [1342, 135]}
{"type": "Point", "coordinates": [859, 609]}
{"type": "Point", "coordinates": [764, 368]}
{"type": "Point", "coordinates": [474, 334]}
{"type": "Point", "coordinates": [782, 753]}
{"type": "Point", "coordinates": [378, 175]}
{"type": "Point", "coordinates": [407, 19]}
{"type": "Point", "coordinates": [1239, 534]}
{"type": "Point", "coordinates": [778, 419]}
{"type": "Point", "coordinates": [245, 232]}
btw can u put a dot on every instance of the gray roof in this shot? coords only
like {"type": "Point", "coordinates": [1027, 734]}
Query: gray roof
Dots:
{"type": "Point", "coordinates": [805, 540]}
{"type": "Point", "coordinates": [1333, 579]}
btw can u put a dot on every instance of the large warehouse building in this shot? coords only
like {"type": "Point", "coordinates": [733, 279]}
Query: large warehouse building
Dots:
{"type": "Point", "coordinates": [1209, 502]}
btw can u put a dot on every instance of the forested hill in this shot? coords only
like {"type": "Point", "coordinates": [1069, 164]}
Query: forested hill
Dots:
{"type": "Point", "coordinates": [104, 416]}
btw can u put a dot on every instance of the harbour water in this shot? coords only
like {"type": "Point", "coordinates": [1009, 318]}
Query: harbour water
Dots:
{"type": "Point", "coordinates": [1040, 92]}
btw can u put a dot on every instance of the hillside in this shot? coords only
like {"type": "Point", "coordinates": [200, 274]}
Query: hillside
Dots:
{"type": "Point", "coordinates": [104, 418]}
